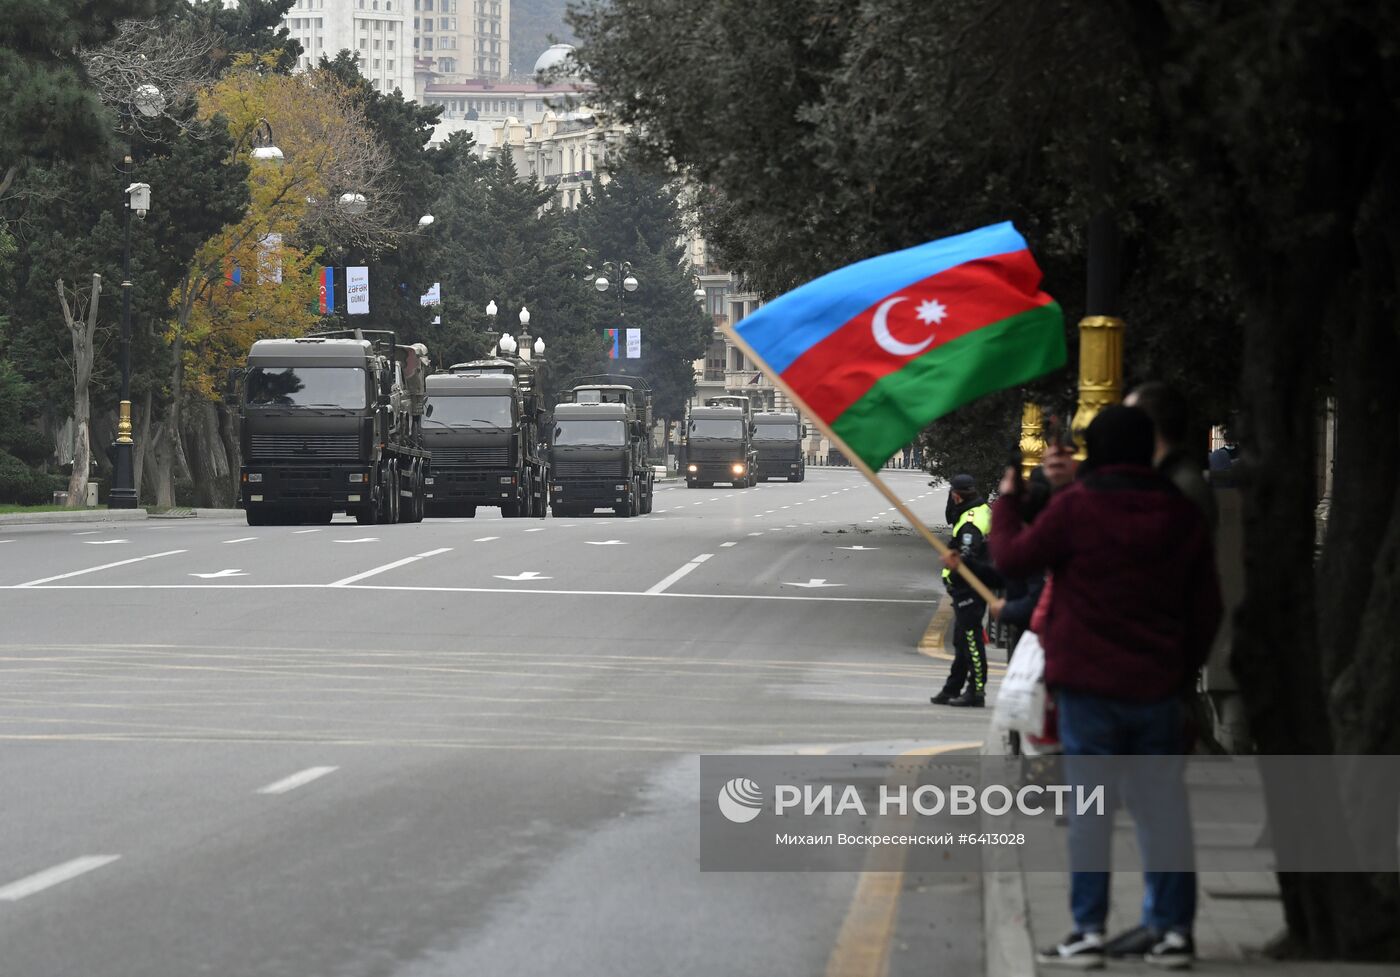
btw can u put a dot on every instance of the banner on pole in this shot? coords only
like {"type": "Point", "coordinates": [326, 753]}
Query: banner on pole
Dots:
{"type": "Point", "coordinates": [612, 335]}
{"type": "Point", "coordinates": [327, 290]}
{"type": "Point", "coordinates": [634, 344]}
{"type": "Point", "coordinates": [357, 290]}
{"type": "Point", "coordinates": [433, 296]}
{"type": "Point", "coordinates": [270, 259]}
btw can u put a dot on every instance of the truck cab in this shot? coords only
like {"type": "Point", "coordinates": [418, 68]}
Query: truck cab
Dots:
{"type": "Point", "coordinates": [331, 423]}
{"type": "Point", "coordinates": [778, 441]}
{"type": "Point", "coordinates": [600, 448]}
{"type": "Point", "coordinates": [718, 443]}
{"type": "Point", "coordinates": [482, 430]}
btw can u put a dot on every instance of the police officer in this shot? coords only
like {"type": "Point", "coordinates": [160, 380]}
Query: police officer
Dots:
{"type": "Point", "coordinates": [971, 519]}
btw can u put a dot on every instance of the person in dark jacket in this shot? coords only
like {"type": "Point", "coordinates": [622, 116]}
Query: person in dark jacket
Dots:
{"type": "Point", "coordinates": [1171, 416]}
{"type": "Point", "coordinates": [1136, 602]}
{"type": "Point", "coordinates": [970, 517]}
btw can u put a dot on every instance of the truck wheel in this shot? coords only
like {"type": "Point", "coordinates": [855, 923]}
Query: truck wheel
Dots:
{"type": "Point", "coordinates": [256, 517]}
{"type": "Point", "coordinates": [368, 515]}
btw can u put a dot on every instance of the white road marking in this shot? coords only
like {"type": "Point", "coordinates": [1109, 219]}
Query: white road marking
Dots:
{"type": "Point", "coordinates": [389, 566]}
{"type": "Point", "coordinates": [49, 877]}
{"type": "Point", "coordinates": [362, 539]}
{"type": "Point", "coordinates": [537, 529]}
{"type": "Point", "coordinates": [299, 779]}
{"type": "Point", "coordinates": [102, 542]}
{"type": "Point", "coordinates": [814, 582]}
{"type": "Point", "coordinates": [485, 539]}
{"type": "Point", "coordinates": [220, 574]}
{"type": "Point", "coordinates": [105, 566]}
{"type": "Point", "coordinates": [759, 533]}
{"type": "Point", "coordinates": [859, 548]}
{"type": "Point", "coordinates": [88, 532]}
{"type": "Point", "coordinates": [6, 541]}
{"type": "Point", "coordinates": [728, 544]}
{"type": "Point", "coordinates": [246, 539]}
{"type": "Point", "coordinates": [527, 575]}
{"type": "Point", "coordinates": [605, 542]}
{"type": "Point", "coordinates": [299, 532]}
{"type": "Point", "coordinates": [660, 587]}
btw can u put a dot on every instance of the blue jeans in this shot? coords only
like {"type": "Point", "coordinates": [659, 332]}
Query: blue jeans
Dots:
{"type": "Point", "coordinates": [1092, 726]}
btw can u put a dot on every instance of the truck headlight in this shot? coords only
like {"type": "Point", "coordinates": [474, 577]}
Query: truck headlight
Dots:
{"type": "Point", "coordinates": [253, 477]}
{"type": "Point", "coordinates": [619, 488]}
{"type": "Point", "coordinates": [738, 469]}
{"type": "Point", "coordinates": [692, 468]}
{"type": "Point", "coordinates": [357, 477]}
{"type": "Point", "coordinates": [507, 479]}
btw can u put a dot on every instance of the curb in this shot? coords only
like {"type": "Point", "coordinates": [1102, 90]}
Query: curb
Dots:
{"type": "Point", "coordinates": [1006, 919]}
{"type": "Point", "coordinates": [82, 515]}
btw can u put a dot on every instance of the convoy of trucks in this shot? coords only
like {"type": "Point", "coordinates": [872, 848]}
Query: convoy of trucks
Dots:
{"type": "Point", "coordinates": [600, 448]}
{"type": "Point", "coordinates": [332, 422]}
{"type": "Point", "coordinates": [778, 439]}
{"type": "Point", "coordinates": [717, 443]}
{"type": "Point", "coordinates": [351, 421]}
{"type": "Point", "coordinates": [482, 426]}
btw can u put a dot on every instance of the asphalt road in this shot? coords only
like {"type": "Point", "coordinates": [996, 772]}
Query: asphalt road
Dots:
{"type": "Point", "coordinates": [459, 747]}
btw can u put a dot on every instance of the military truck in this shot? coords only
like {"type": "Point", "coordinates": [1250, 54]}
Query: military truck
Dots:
{"type": "Point", "coordinates": [778, 440]}
{"type": "Point", "coordinates": [332, 422]}
{"type": "Point", "coordinates": [482, 428]}
{"type": "Point", "coordinates": [600, 448]}
{"type": "Point", "coordinates": [718, 444]}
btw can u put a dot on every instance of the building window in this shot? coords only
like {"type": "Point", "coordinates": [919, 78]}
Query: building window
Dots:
{"type": "Point", "coordinates": [389, 44]}
{"type": "Point", "coordinates": [363, 44]}
{"type": "Point", "coordinates": [389, 65]}
{"type": "Point", "coordinates": [376, 44]}
{"type": "Point", "coordinates": [415, 44]}
{"type": "Point", "coordinates": [427, 44]}
{"type": "Point", "coordinates": [448, 65]}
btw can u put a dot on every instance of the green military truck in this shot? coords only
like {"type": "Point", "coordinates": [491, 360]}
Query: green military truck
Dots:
{"type": "Point", "coordinates": [482, 427]}
{"type": "Point", "coordinates": [600, 448]}
{"type": "Point", "coordinates": [330, 423]}
{"type": "Point", "coordinates": [718, 444]}
{"type": "Point", "coordinates": [778, 440]}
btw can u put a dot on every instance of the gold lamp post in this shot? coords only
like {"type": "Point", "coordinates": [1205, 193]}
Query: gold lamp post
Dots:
{"type": "Point", "coordinates": [1032, 437]}
{"type": "Point", "coordinates": [1101, 330]}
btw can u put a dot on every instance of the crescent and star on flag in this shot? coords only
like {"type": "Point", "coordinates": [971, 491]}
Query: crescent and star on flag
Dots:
{"type": "Point", "coordinates": [929, 312]}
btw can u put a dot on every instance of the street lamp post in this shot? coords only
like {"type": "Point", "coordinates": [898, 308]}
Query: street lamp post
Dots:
{"type": "Point", "coordinates": [621, 279]}
{"type": "Point", "coordinates": [123, 494]}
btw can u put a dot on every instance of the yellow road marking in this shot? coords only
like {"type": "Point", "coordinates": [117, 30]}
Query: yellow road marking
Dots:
{"type": "Point", "coordinates": [931, 644]}
{"type": "Point", "coordinates": [863, 945]}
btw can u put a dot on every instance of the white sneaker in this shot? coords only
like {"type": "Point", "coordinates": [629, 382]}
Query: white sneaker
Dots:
{"type": "Point", "coordinates": [1083, 951]}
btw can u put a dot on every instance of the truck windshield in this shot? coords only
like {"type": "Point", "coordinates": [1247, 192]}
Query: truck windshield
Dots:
{"type": "Point", "coordinates": [716, 428]}
{"type": "Point", "coordinates": [470, 411]}
{"type": "Point", "coordinates": [776, 432]}
{"type": "Point", "coordinates": [607, 434]}
{"type": "Point", "coordinates": [307, 386]}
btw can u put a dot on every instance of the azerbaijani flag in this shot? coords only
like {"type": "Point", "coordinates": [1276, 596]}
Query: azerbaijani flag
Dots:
{"type": "Point", "coordinates": [613, 349]}
{"type": "Point", "coordinates": [880, 348]}
{"type": "Point", "coordinates": [327, 301]}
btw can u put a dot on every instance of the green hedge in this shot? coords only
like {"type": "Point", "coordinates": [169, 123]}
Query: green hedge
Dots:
{"type": "Point", "coordinates": [22, 485]}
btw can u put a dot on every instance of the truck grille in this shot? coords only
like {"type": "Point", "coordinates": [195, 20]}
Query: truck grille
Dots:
{"type": "Point", "coordinates": [497, 456]}
{"type": "Point", "coordinates": [715, 454]}
{"type": "Point", "coordinates": [565, 467]}
{"type": "Point", "coordinates": [305, 445]}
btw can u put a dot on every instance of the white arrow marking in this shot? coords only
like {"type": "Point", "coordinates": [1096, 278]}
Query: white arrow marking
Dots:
{"type": "Point", "coordinates": [527, 575]}
{"type": "Point", "coordinates": [221, 573]}
{"type": "Point", "coordinates": [102, 542]}
{"type": "Point", "coordinates": [363, 539]}
{"type": "Point", "coordinates": [814, 582]}
{"type": "Point", "coordinates": [859, 548]}
{"type": "Point", "coordinates": [605, 542]}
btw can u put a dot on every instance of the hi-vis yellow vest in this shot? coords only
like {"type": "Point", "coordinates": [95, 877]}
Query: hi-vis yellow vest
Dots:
{"type": "Point", "coordinates": [981, 517]}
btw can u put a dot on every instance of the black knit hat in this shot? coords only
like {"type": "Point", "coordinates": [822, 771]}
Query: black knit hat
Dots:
{"type": "Point", "coordinates": [963, 484]}
{"type": "Point", "coordinates": [1119, 435]}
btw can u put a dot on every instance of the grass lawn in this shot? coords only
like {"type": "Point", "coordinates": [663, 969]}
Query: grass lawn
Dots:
{"type": "Point", "coordinates": [7, 507]}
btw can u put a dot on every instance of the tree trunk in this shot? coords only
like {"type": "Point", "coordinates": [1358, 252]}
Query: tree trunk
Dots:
{"type": "Point", "coordinates": [168, 450]}
{"type": "Point", "coordinates": [143, 445]}
{"type": "Point", "coordinates": [82, 331]}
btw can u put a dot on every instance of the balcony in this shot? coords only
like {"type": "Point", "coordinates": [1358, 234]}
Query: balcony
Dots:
{"type": "Point", "coordinates": [739, 379]}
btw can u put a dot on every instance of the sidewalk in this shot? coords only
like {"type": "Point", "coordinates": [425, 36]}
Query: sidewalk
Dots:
{"type": "Point", "coordinates": [1238, 913]}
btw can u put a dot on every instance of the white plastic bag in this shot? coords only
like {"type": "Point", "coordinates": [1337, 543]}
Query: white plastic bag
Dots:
{"type": "Point", "coordinates": [1020, 703]}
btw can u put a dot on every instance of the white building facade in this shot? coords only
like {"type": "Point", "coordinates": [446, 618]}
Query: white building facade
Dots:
{"type": "Point", "coordinates": [463, 39]}
{"type": "Point", "coordinates": [377, 31]}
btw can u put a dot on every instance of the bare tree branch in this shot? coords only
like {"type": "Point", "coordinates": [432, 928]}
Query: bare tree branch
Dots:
{"type": "Point", "coordinates": [150, 67]}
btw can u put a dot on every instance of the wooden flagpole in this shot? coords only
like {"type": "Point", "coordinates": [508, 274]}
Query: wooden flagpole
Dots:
{"type": "Point", "coordinates": [858, 462]}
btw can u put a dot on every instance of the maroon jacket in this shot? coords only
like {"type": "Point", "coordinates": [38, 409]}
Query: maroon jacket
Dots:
{"type": "Point", "coordinates": [1136, 600]}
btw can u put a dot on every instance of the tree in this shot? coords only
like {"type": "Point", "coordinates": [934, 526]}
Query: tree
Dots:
{"type": "Point", "coordinates": [636, 217]}
{"type": "Point", "coordinates": [51, 110]}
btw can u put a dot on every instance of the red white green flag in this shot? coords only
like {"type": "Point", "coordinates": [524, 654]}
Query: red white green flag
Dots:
{"type": "Point", "coordinates": [879, 349]}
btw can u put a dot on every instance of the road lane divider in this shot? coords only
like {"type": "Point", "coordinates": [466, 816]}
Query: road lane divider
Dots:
{"type": "Point", "coordinates": [347, 581]}
{"type": "Point", "coordinates": [105, 566]}
{"type": "Point", "coordinates": [51, 877]}
{"type": "Point", "coordinates": [299, 779]}
{"type": "Point", "coordinates": [660, 587]}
